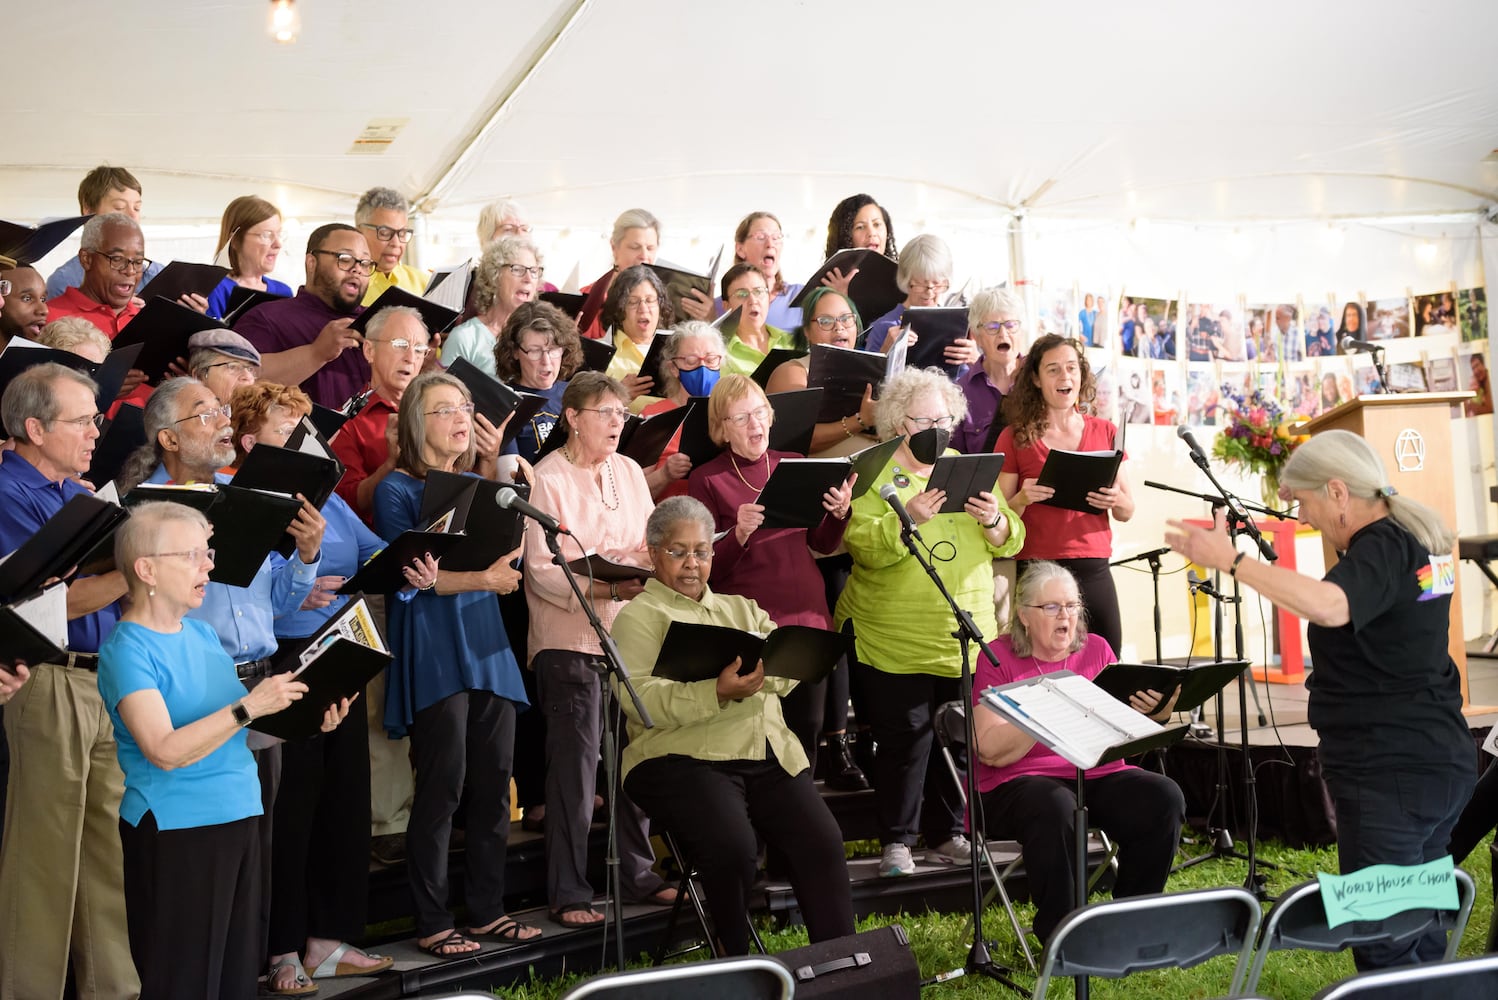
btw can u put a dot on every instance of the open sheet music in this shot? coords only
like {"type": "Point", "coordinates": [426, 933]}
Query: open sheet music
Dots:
{"type": "Point", "coordinates": [1071, 715]}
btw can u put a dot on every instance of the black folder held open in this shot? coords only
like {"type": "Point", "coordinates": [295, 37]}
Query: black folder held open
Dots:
{"type": "Point", "coordinates": [695, 652]}
{"type": "Point", "coordinates": [83, 523]}
{"type": "Point", "coordinates": [1074, 474]}
{"type": "Point", "coordinates": [381, 574]}
{"type": "Point", "coordinates": [282, 470]}
{"type": "Point", "coordinates": [247, 524]}
{"type": "Point", "coordinates": [490, 531]}
{"type": "Point", "coordinates": [334, 666]}
{"type": "Point", "coordinates": [1197, 682]}
{"type": "Point", "coordinates": [793, 496]}
{"type": "Point", "coordinates": [964, 477]}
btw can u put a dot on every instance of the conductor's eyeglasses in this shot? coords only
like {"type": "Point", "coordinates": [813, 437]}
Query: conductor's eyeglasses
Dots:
{"type": "Point", "coordinates": [1053, 610]}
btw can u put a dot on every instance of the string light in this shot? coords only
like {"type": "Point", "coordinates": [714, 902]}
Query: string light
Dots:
{"type": "Point", "coordinates": [284, 21]}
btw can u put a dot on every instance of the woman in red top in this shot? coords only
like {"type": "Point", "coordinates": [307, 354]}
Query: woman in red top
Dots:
{"type": "Point", "coordinates": [1043, 413]}
{"type": "Point", "coordinates": [772, 566]}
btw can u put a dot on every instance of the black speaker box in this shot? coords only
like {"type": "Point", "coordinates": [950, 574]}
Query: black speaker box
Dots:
{"type": "Point", "coordinates": [877, 963]}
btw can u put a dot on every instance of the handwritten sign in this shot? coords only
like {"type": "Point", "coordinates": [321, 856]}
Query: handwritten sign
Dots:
{"type": "Point", "coordinates": [1380, 891]}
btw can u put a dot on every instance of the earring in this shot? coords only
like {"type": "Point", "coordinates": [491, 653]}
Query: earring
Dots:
{"type": "Point", "coordinates": [151, 592]}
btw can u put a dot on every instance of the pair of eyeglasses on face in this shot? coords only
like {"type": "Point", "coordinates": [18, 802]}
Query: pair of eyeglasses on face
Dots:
{"type": "Point", "coordinates": [515, 229]}
{"type": "Point", "coordinates": [680, 555]}
{"type": "Point", "coordinates": [403, 345]}
{"type": "Point", "coordinates": [347, 261]}
{"type": "Point", "coordinates": [195, 556]}
{"type": "Point", "coordinates": [930, 286]}
{"type": "Point", "coordinates": [691, 362]}
{"type": "Point", "coordinates": [82, 423]}
{"type": "Point", "coordinates": [1006, 324]}
{"type": "Point", "coordinates": [387, 233]}
{"type": "Point", "coordinates": [644, 302]}
{"type": "Point", "coordinates": [520, 271]}
{"type": "Point", "coordinates": [207, 417]}
{"type": "Point", "coordinates": [775, 238]}
{"type": "Point", "coordinates": [236, 368]}
{"type": "Point", "coordinates": [745, 294]}
{"type": "Point", "coordinates": [608, 412]}
{"type": "Point", "coordinates": [926, 423]}
{"type": "Point", "coordinates": [267, 237]}
{"type": "Point", "coordinates": [5, 287]}
{"type": "Point", "coordinates": [119, 262]}
{"type": "Point", "coordinates": [448, 412]}
{"type": "Point", "coordinates": [759, 414]}
{"type": "Point", "coordinates": [828, 322]}
{"type": "Point", "coordinates": [1053, 610]}
{"type": "Point", "coordinates": [537, 353]}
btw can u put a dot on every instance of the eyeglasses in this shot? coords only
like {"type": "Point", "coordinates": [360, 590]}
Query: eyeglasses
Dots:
{"type": "Point", "coordinates": [775, 238]}
{"type": "Point", "coordinates": [744, 294]}
{"type": "Point", "coordinates": [5, 287]}
{"type": "Point", "coordinates": [537, 353]}
{"type": "Point", "coordinates": [759, 414]}
{"type": "Point", "coordinates": [930, 286]}
{"type": "Point", "coordinates": [609, 412]}
{"type": "Point", "coordinates": [514, 229]}
{"type": "Point", "coordinates": [642, 303]}
{"type": "Point", "coordinates": [691, 362]}
{"type": "Point", "coordinates": [236, 368]}
{"type": "Point", "coordinates": [926, 423]}
{"type": "Point", "coordinates": [680, 555]}
{"type": "Point", "coordinates": [347, 261]}
{"type": "Point", "coordinates": [402, 344]}
{"type": "Point", "coordinates": [1053, 609]}
{"type": "Point", "coordinates": [448, 412]}
{"type": "Point", "coordinates": [1007, 324]}
{"type": "Point", "coordinates": [267, 236]}
{"type": "Point", "coordinates": [196, 556]}
{"type": "Point", "coordinates": [81, 423]}
{"type": "Point", "coordinates": [520, 271]}
{"type": "Point", "coordinates": [386, 234]}
{"type": "Point", "coordinates": [206, 417]}
{"type": "Point", "coordinates": [119, 262]}
{"type": "Point", "coordinates": [828, 322]}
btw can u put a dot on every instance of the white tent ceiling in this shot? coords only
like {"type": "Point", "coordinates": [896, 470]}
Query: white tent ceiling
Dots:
{"type": "Point", "coordinates": [951, 112]}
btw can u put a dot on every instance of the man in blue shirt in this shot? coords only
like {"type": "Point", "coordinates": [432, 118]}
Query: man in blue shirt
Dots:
{"type": "Point", "coordinates": [60, 864]}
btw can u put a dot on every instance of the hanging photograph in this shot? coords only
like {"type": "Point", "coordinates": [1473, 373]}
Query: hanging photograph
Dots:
{"type": "Point", "coordinates": [1147, 327]}
{"type": "Point", "coordinates": [1134, 391]}
{"type": "Point", "coordinates": [1365, 377]}
{"type": "Point", "coordinates": [1203, 395]}
{"type": "Point", "coordinates": [1472, 376]}
{"type": "Point", "coordinates": [1440, 372]}
{"type": "Point", "coordinates": [1092, 306]}
{"type": "Point", "coordinates": [1301, 391]}
{"type": "Point", "coordinates": [1055, 313]}
{"type": "Point", "coordinates": [1167, 404]}
{"type": "Point", "coordinates": [1321, 334]}
{"type": "Point", "coordinates": [1354, 324]}
{"type": "Point", "coordinates": [1435, 314]}
{"type": "Point", "coordinates": [1407, 376]}
{"type": "Point", "coordinates": [1275, 333]}
{"type": "Point", "coordinates": [1472, 313]}
{"type": "Point", "coordinates": [1334, 376]}
{"type": "Point", "coordinates": [1388, 319]}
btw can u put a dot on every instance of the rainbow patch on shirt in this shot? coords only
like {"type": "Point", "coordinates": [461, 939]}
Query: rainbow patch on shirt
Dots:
{"type": "Point", "coordinates": [1437, 578]}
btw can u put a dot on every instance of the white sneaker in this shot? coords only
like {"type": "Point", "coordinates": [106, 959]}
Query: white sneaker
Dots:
{"type": "Point", "coordinates": [896, 861]}
{"type": "Point", "coordinates": [956, 851]}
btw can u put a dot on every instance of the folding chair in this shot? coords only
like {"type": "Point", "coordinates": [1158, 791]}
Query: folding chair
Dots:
{"type": "Point", "coordinates": [1298, 921]}
{"type": "Point", "coordinates": [687, 891]}
{"type": "Point", "coordinates": [751, 978]}
{"type": "Point", "coordinates": [1468, 977]}
{"type": "Point", "coordinates": [950, 725]}
{"type": "Point", "coordinates": [1117, 937]}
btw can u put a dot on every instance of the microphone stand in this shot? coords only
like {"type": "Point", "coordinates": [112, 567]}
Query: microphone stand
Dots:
{"type": "Point", "coordinates": [609, 663]}
{"type": "Point", "coordinates": [979, 961]}
{"type": "Point", "coordinates": [1153, 558]}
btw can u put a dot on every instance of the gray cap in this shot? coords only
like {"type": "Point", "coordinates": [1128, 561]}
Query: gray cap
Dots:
{"type": "Point", "coordinates": [225, 342]}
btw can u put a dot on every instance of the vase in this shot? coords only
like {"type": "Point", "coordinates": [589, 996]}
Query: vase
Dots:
{"type": "Point", "coordinates": [1269, 490]}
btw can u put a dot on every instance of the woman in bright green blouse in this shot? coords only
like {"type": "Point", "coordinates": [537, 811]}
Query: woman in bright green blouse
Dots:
{"type": "Point", "coordinates": [908, 661]}
{"type": "Point", "coordinates": [750, 337]}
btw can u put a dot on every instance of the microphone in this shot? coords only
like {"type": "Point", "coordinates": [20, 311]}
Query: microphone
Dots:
{"type": "Point", "coordinates": [1351, 345]}
{"type": "Point", "coordinates": [510, 500]}
{"type": "Point", "coordinates": [1196, 583]}
{"type": "Point", "coordinates": [1197, 455]}
{"type": "Point", "coordinates": [891, 496]}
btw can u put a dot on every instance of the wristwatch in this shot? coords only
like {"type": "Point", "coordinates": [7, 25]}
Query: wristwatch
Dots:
{"type": "Point", "coordinates": [614, 593]}
{"type": "Point", "coordinates": [241, 714]}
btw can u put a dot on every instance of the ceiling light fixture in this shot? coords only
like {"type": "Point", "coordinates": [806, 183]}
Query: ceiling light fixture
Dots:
{"type": "Point", "coordinates": [284, 21]}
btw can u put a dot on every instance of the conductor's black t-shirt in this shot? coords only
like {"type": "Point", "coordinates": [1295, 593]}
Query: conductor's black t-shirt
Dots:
{"type": "Point", "coordinates": [1384, 690]}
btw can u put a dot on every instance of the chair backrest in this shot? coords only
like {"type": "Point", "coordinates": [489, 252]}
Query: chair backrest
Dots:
{"type": "Point", "coordinates": [722, 978]}
{"type": "Point", "coordinates": [1468, 977]}
{"type": "Point", "coordinates": [1117, 937]}
{"type": "Point", "coordinates": [950, 725]}
{"type": "Point", "coordinates": [1298, 921]}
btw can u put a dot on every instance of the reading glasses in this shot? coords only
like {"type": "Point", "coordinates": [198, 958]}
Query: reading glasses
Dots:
{"type": "Point", "coordinates": [930, 286]}
{"type": "Point", "coordinates": [347, 261]}
{"type": "Point", "coordinates": [386, 233]}
{"type": "Point", "coordinates": [520, 271]}
{"type": "Point", "coordinates": [944, 421]}
{"type": "Point", "coordinates": [119, 262]}
{"type": "Point", "coordinates": [537, 353]}
{"type": "Point", "coordinates": [196, 556]}
{"type": "Point", "coordinates": [759, 414]}
{"type": "Point", "coordinates": [82, 423]}
{"type": "Point", "coordinates": [641, 303]}
{"type": "Point", "coordinates": [206, 417]}
{"type": "Point", "coordinates": [1007, 324]}
{"type": "Point", "coordinates": [828, 322]}
{"type": "Point", "coordinates": [402, 344]}
{"type": "Point", "coordinates": [691, 362]}
{"type": "Point", "coordinates": [744, 294]}
{"type": "Point", "coordinates": [703, 555]}
{"type": "Point", "coordinates": [447, 412]}
{"type": "Point", "coordinates": [1053, 609]}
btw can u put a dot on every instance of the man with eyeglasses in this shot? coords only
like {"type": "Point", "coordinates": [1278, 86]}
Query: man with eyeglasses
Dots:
{"type": "Point", "coordinates": [305, 340]}
{"type": "Point", "coordinates": [112, 254]}
{"type": "Point", "coordinates": [60, 862]}
{"type": "Point", "coordinates": [382, 215]}
{"type": "Point", "coordinates": [222, 360]}
{"type": "Point", "coordinates": [102, 190]}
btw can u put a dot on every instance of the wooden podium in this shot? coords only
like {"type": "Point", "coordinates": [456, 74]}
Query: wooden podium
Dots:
{"type": "Point", "coordinates": [1411, 432]}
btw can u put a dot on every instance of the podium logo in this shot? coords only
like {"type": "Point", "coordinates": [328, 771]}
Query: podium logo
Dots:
{"type": "Point", "coordinates": [1409, 450]}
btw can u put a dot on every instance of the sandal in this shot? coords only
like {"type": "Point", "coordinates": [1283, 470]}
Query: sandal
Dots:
{"type": "Point", "coordinates": [507, 928]}
{"type": "Point", "coordinates": [333, 966]}
{"type": "Point", "coordinates": [584, 912]}
{"type": "Point", "coordinates": [451, 946]}
{"type": "Point", "coordinates": [301, 985]}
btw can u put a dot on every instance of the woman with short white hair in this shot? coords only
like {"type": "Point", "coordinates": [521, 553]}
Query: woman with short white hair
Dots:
{"type": "Point", "coordinates": [924, 274]}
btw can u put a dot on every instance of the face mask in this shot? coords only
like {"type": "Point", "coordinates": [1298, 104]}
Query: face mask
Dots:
{"type": "Point", "coordinates": [699, 381]}
{"type": "Point", "coordinates": [928, 445]}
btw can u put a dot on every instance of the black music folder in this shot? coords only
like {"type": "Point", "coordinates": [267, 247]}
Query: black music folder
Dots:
{"type": "Point", "coordinates": [777, 357]}
{"type": "Point", "coordinates": [289, 471]}
{"type": "Point", "coordinates": [597, 355]}
{"type": "Point", "coordinates": [335, 663]}
{"type": "Point", "coordinates": [437, 318]}
{"type": "Point", "coordinates": [792, 497]}
{"type": "Point", "coordinates": [964, 477]}
{"type": "Point", "coordinates": [242, 300]}
{"type": "Point", "coordinates": [1074, 474]}
{"type": "Point", "coordinates": [935, 327]}
{"type": "Point", "coordinates": [873, 289]}
{"type": "Point", "coordinates": [495, 400]}
{"type": "Point", "coordinates": [843, 374]}
{"type": "Point", "coordinates": [34, 630]}
{"type": "Point", "coordinates": [247, 524]}
{"type": "Point", "coordinates": [644, 439]}
{"type": "Point", "coordinates": [491, 530]}
{"type": "Point", "coordinates": [695, 652]}
{"type": "Point", "coordinates": [28, 244]}
{"type": "Point", "coordinates": [569, 302]}
{"type": "Point", "coordinates": [1197, 681]}
{"type": "Point", "coordinates": [679, 281]}
{"type": "Point", "coordinates": [181, 278]}
{"type": "Point", "coordinates": [163, 327]}
{"type": "Point", "coordinates": [381, 574]}
{"type": "Point", "coordinates": [108, 376]}
{"type": "Point", "coordinates": [121, 435]}
{"type": "Point", "coordinates": [650, 367]}
{"type": "Point", "coordinates": [597, 567]}
{"type": "Point", "coordinates": [81, 525]}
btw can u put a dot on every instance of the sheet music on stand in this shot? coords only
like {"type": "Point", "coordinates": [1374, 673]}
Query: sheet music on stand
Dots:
{"type": "Point", "coordinates": [1080, 721]}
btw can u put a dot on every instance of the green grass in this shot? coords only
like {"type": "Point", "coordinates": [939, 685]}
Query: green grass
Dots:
{"type": "Point", "coordinates": [940, 942]}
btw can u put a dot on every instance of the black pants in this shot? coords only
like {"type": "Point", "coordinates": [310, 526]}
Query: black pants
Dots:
{"type": "Point", "coordinates": [192, 899]}
{"type": "Point", "coordinates": [320, 855]}
{"type": "Point", "coordinates": [1095, 585]}
{"type": "Point", "coordinates": [715, 809]}
{"type": "Point", "coordinates": [469, 736]}
{"type": "Point", "coordinates": [530, 727]}
{"type": "Point", "coordinates": [1396, 817]}
{"type": "Point", "coordinates": [913, 791]}
{"type": "Point", "coordinates": [835, 571]}
{"type": "Point", "coordinates": [1140, 810]}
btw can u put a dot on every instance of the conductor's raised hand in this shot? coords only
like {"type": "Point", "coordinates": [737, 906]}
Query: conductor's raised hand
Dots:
{"type": "Point", "coordinates": [839, 500]}
{"type": "Point", "coordinates": [923, 506]}
{"type": "Point", "coordinates": [336, 713]}
{"type": "Point", "coordinates": [1206, 547]}
{"type": "Point", "coordinates": [751, 516]}
{"type": "Point", "coordinates": [732, 687]}
{"type": "Point", "coordinates": [273, 694]}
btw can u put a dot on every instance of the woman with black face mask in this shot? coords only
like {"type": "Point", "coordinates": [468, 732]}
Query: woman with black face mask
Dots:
{"type": "Point", "coordinates": [1044, 411]}
{"type": "Point", "coordinates": [908, 663]}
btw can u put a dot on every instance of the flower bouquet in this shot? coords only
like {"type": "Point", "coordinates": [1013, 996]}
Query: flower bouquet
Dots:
{"type": "Point", "coordinates": [1257, 438]}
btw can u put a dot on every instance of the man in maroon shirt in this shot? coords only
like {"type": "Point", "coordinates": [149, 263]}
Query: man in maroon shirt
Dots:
{"type": "Point", "coordinates": [305, 340]}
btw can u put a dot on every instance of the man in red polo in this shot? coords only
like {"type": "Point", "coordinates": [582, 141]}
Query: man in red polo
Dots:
{"type": "Point", "coordinates": [113, 255]}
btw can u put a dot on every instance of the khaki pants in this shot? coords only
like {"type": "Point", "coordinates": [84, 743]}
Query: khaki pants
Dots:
{"type": "Point", "coordinates": [62, 887]}
{"type": "Point", "coordinates": [390, 782]}
{"type": "Point", "coordinates": [1003, 594]}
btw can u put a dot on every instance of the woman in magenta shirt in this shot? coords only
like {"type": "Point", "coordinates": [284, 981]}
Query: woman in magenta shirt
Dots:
{"type": "Point", "coordinates": [1044, 412]}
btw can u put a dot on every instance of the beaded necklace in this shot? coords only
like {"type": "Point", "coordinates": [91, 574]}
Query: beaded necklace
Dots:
{"type": "Point", "coordinates": [607, 474]}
